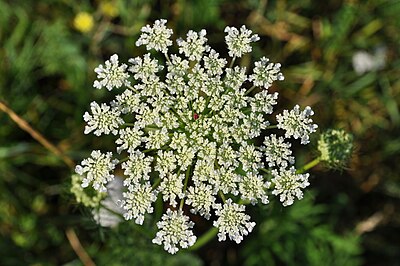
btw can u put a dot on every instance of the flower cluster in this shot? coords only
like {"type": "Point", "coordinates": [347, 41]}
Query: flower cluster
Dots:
{"type": "Point", "coordinates": [186, 130]}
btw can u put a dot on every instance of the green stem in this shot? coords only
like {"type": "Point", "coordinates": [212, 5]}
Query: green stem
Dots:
{"type": "Point", "coordinates": [265, 170]}
{"type": "Point", "coordinates": [271, 127]}
{"type": "Point", "coordinates": [205, 238]}
{"type": "Point", "coordinates": [123, 160]}
{"type": "Point", "coordinates": [167, 57]}
{"type": "Point", "coordinates": [132, 88]}
{"type": "Point", "coordinates": [112, 211]}
{"type": "Point", "coordinates": [232, 62]}
{"type": "Point", "coordinates": [250, 90]}
{"type": "Point", "coordinates": [222, 196]}
{"type": "Point", "coordinates": [184, 187]}
{"type": "Point", "coordinates": [177, 116]}
{"type": "Point", "coordinates": [156, 183]}
{"type": "Point", "coordinates": [149, 150]}
{"type": "Point", "coordinates": [309, 165]}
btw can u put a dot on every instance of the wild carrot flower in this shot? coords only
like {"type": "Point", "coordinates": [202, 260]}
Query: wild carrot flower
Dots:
{"type": "Point", "coordinates": [187, 131]}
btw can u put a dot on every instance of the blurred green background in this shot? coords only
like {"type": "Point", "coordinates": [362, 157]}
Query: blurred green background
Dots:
{"type": "Point", "coordinates": [49, 49]}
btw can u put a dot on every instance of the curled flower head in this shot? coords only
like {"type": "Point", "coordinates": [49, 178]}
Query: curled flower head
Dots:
{"type": "Point", "coordinates": [297, 124]}
{"type": "Point", "coordinates": [112, 75]}
{"type": "Point", "coordinates": [107, 214]}
{"type": "Point", "coordinates": [96, 170]}
{"type": "Point", "coordinates": [83, 196]}
{"type": "Point", "coordinates": [156, 37]}
{"type": "Point", "coordinates": [174, 230]}
{"type": "Point", "coordinates": [335, 147]}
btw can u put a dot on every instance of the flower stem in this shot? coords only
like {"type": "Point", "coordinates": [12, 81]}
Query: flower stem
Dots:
{"type": "Point", "coordinates": [265, 170]}
{"type": "Point", "coordinates": [271, 127]}
{"type": "Point", "coordinates": [185, 186]}
{"type": "Point", "coordinates": [232, 62]}
{"type": "Point", "coordinates": [204, 239]}
{"type": "Point", "coordinates": [123, 160]}
{"type": "Point", "coordinates": [156, 183]}
{"type": "Point", "coordinates": [149, 150]}
{"type": "Point", "coordinates": [167, 57]}
{"type": "Point", "coordinates": [309, 165]}
{"type": "Point", "coordinates": [250, 90]}
{"type": "Point", "coordinates": [222, 196]}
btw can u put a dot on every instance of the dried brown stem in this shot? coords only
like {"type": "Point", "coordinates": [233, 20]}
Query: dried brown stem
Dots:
{"type": "Point", "coordinates": [78, 248]}
{"type": "Point", "coordinates": [35, 134]}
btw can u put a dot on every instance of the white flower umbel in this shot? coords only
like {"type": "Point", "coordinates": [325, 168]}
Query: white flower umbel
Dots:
{"type": "Point", "coordinates": [264, 73]}
{"type": "Point", "coordinates": [250, 158]}
{"type": "Point", "coordinates": [235, 77]}
{"type": "Point", "coordinates": [232, 221]}
{"type": "Point", "coordinates": [226, 180]}
{"type": "Point", "coordinates": [171, 187]}
{"type": "Point", "coordinates": [127, 102]}
{"type": "Point", "coordinates": [239, 41]}
{"type": "Point", "coordinates": [137, 202]}
{"type": "Point", "coordinates": [112, 75]}
{"type": "Point", "coordinates": [194, 46]}
{"type": "Point", "coordinates": [156, 138]}
{"type": "Point", "coordinates": [188, 132]}
{"type": "Point", "coordinates": [129, 139]}
{"type": "Point", "coordinates": [174, 230]}
{"type": "Point", "coordinates": [165, 162]}
{"type": "Point", "coordinates": [96, 170]}
{"type": "Point", "coordinates": [104, 119]}
{"type": "Point", "coordinates": [288, 185]}
{"type": "Point", "coordinates": [213, 64]}
{"type": "Point", "coordinates": [264, 102]}
{"type": "Point", "coordinates": [277, 151]}
{"type": "Point", "coordinates": [201, 198]}
{"type": "Point", "coordinates": [145, 69]}
{"type": "Point", "coordinates": [156, 37]}
{"type": "Point", "coordinates": [297, 124]}
{"type": "Point", "coordinates": [177, 67]}
{"type": "Point", "coordinates": [252, 187]}
{"type": "Point", "coordinates": [137, 168]}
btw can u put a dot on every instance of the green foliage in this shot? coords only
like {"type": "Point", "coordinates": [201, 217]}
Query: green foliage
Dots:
{"type": "Point", "coordinates": [299, 236]}
{"type": "Point", "coordinates": [128, 246]}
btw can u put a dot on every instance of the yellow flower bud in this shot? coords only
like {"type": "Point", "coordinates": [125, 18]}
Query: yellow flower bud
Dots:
{"type": "Point", "coordinates": [109, 9]}
{"type": "Point", "coordinates": [83, 22]}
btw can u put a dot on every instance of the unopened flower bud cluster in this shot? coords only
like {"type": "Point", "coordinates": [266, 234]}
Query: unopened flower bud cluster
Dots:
{"type": "Point", "coordinates": [184, 131]}
{"type": "Point", "coordinates": [335, 147]}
